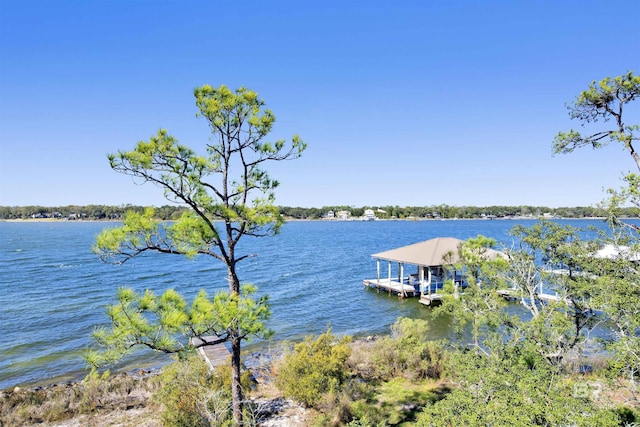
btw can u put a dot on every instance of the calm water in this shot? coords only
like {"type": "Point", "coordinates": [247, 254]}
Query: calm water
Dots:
{"type": "Point", "coordinates": [53, 290]}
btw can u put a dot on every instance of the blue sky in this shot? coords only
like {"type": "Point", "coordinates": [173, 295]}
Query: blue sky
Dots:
{"type": "Point", "coordinates": [411, 103]}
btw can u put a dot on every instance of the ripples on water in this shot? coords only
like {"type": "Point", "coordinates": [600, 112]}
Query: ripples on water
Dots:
{"type": "Point", "coordinates": [53, 290]}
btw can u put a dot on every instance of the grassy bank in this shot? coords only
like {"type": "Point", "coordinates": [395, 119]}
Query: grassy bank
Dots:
{"type": "Point", "coordinates": [119, 400]}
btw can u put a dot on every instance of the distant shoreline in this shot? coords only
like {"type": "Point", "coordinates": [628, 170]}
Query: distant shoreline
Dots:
{"type": "Point", "coordinates": [328, 213]}
{"type": "Point", "coordinates": [61, 220]}
{"type": "Point", "coordinates": [58, 220]}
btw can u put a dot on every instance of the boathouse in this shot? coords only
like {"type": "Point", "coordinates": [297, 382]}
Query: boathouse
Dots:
{"type": "Point", "coordinates": [421, 269]}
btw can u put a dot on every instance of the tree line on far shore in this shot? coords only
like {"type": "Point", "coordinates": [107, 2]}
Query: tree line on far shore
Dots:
{"type": "Point", "coordinates": [443, 211]}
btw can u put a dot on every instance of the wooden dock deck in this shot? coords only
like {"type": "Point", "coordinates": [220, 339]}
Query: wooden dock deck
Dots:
{"type": "Point", "coordinates": [392, 287]}
{"type": "Point", "coordinates": [512, 294]}
{"type": "Point", "coordinates": [213, 354]}
{"type": "Point", "coordinates": [429, 299]}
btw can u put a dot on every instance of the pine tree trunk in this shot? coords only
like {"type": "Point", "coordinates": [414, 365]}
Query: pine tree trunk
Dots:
{"type": "Point", "coordinates": [236, 385]}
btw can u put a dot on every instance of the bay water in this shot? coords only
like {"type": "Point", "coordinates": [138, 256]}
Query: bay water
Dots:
{"type": "Point", "coordinates": [54, 290]}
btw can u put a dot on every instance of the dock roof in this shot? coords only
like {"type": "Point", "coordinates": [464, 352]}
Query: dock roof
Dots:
{"type": "Point", "coordinates": [430, 253]}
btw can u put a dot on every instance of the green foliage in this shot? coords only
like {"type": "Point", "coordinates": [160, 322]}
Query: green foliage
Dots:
{"type": "Point", "coordinates": [223, 207]}
{"type": "Point", "coordinates": [87, 212]}
{"type": "Point", "coordinates": [616, 278]}
{"type": "Point", "coordinates": [158, 323]}
{"type": "Point", "coordinates": [239, 124]}
{"type": "Point", "coordinates": [406, 353]}
{"type": "Point", "coordinates": [479, 305]}
{"type": "Point", "coordinates": [619, 279]}
{"type": "Point", "coordinates": [512, 386]}
{"type": "Point", "coordinates": [604, 100]}
{"type": "Point", "coordinates": [193, 395]}
{"type": "Point", "coordinates": [246, 315]}
{"type": "Point", "coordinates": [365, 422]}
{"type": "Point", "coordinates": [619, 203]}
{"type": "Point", "coordinates": [314, 368]}
{"type": "Point", "coordinates": [394, 376]}
{"type": "Point", "coordinates": [171, 212]}
{"type": "Point", "coordinates": [518, 378]}
{"type": "Point", "coordinates": [552, 258]}
{"type": "Point", "coordinates": [139, 232]}
{"type": "Point", "coordinates": [396, 399]}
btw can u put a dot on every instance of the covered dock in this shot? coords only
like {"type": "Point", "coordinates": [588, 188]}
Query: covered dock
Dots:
{"type": "Point", "coordinates": [432, 261]}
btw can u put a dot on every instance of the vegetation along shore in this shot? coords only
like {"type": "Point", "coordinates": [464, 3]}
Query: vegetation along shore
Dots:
{"type": "Point", "coordinates": [173, 212]}
{"type": "Point", "coordinates": [325, 380]}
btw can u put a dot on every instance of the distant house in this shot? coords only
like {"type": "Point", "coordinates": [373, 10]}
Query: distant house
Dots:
{"type": "Point", "coordinates": [330, 215]}
{"type": "Point", "coordinates": [343, 215]}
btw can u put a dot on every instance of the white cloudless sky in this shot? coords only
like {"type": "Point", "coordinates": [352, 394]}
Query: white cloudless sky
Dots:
{"type": "Point", "coordinates": [411, 103]}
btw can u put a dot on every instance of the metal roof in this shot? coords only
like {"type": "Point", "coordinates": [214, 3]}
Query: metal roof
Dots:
{"type": "Point", "coordinates": [430, 253]}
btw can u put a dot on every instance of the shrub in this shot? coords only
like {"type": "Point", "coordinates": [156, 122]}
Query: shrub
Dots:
{"type": "Point", "coordinates": [314, 368]}
{"type": "Point", "coordinates": [193, 395]}
{"type": "Point", "coordinates": [407, 353]}
{"type": "Point", "coordinates": [365, 422]}
{"type": "Point", "coordinates": [503, 389]}
{"type": "Point", "coordinates": [367, 414]}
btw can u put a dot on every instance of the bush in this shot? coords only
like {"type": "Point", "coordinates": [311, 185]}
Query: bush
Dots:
{"type": "Point", "coordinates": [367, 414]}
{"type": "Point", "coordinates": [406, 353]}
{"type": "Point", "coordinates": [314, 368]}
{"type": "Point", "coordinates": [504, 389]}
{"type": "Point", "coordinates": [193, 395]}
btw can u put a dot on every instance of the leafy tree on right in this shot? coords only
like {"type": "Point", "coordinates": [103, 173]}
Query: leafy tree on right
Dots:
{"type": "Point", "coordinates": [604, 100]}
{"type": "Point", "coordinates": [523, 376]}
{"type": "Point", "coordinates": [618, 270]}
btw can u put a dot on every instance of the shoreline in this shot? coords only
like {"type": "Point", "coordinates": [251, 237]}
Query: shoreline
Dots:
{"type": "Point", "coordinates": [518, 218]}
{"type": "Point", "coordinates": [253, 359]}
